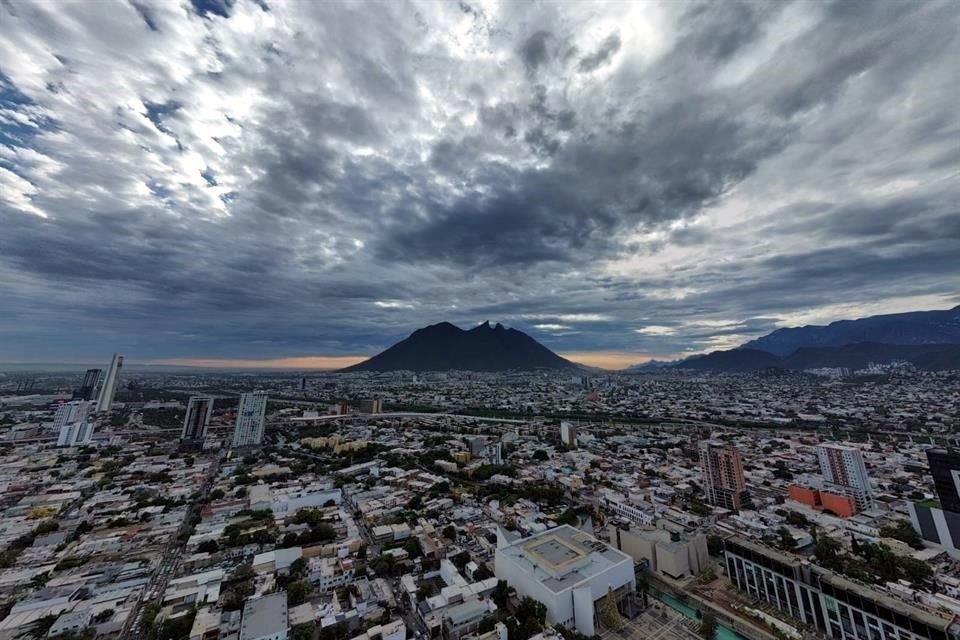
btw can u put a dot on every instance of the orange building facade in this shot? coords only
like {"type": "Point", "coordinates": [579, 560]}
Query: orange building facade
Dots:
{"type": "Point", "coordinates": [842, 506]}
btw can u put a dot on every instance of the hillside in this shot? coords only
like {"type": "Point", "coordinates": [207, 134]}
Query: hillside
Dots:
{"type": "Point", "coordinates": [446, 347]}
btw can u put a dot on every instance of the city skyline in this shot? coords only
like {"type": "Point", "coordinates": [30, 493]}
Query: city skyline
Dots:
{"type": "Point", "coordinates": [266, 182]}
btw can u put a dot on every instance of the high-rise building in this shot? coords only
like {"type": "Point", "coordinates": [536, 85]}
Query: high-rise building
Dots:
{"type": "Point", "coordinates": [945, 469]}
{"type": "Point", "coordinates": [939, 522]}
{"type": "Point", "coordinates": [70, 412]}
{"type": "Point", "coordinates": [89, 385]}
{"type": "Point", "coordinates": [568, 434]}
{"type": "Point", "coordinates": [723, 479]}
{"type": "Point", "coordinates": [197, 420]}
{"type": "Point", "coordinates": [75, 434]}
{"type": "Point", "coordinates": [843, 469]}
{"type": "Point", "coordinates": [109, 387]}
{"type": "Point", "coordinates": [248, 431]}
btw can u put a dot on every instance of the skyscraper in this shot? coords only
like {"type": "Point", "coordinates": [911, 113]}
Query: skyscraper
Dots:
{"type": "Point", "coordinates": [248, 431]}
{"type": "Point", "coordinates": [75, 434]}
{"type": "Point", "coordinates": [945, 469]}
{"type": "Point", "coordinates": [89, 385]}
{"type": "Point", "coordinates": [723, 479]}
{"type": "Point", "coordinates": [197, 420]}
{"type": "Point", "coordinates": [843, 468]}
{"type": "Point", "coordinates": [109, 387]}
{"type": "Point", "coordinates": [568, 434]}
{"type": "Point", "coordinates": [70, 412]}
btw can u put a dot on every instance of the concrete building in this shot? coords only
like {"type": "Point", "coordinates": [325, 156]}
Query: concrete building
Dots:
{"type": "Point", "coordinates": [248, 431]}
{"type": "Point", "coordinates": [672, 555]}
{"type": "Point", "coordinates": [843, 467]}
{"type": "Point", "coordinates": [723, 479]}
{"type": "Point", "coordinates": [371, 406]}
{"type": "Point", "coordinates": [464, 619]}
{"type": "Point", "coordinates": [197, 420]}
{"type": "Point", "coordinates": [265, 618]}
{"type": "Point", "coordinates": [109, 387]}
{"type": "Point", "coordinates": [568, 571]}
{"type": "Point", "coordinates": [823, 500]}
{"type": "Point", "coordinates": [838, 607]}
{"type": "Point", "coordinates": [70, 412]}
{"type": "Point", "coordinates": [75, 434]}
{"type": "Point", "coordinates": [568, 434]}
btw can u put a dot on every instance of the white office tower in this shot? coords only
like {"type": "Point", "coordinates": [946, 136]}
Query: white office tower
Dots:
{"type": "Point", "coordinates": [69, 412]}
{"type": "Point", "coordinates": [568, 434]}
{"type": "Point", "coordinates": [197, 420]}
{"type": "Point", "coordinates": [75, 434]}
{"type": "Point", "coordinates": [248, 431]}
{"type": "Point", "coordinates": [109, 386]}
{"type": "Point", "coordinates": [843, 468]}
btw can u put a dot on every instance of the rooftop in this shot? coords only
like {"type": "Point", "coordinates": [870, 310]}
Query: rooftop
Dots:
{"type": "Point", "coordinates": [264, 617]}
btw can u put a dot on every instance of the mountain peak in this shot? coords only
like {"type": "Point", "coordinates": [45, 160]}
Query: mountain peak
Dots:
{"type": "Point", "coordinates": [445, 347]}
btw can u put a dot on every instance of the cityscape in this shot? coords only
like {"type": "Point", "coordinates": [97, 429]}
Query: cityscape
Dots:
{"type": "Point", "coordinates": [143, 503]}
{"type": "Point", "coordinates": [479, 320]}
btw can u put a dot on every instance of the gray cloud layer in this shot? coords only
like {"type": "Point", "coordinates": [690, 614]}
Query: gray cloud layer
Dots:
{"type": "Point", "coordinates": [269, 179]}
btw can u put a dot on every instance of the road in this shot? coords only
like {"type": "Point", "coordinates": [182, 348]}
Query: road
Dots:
{"type": "Point", "coordinates": [172, 555]}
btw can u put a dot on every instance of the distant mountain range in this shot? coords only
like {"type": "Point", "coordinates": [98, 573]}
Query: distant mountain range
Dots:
{"type": "Point", "coordinates": [446, 347]}
{"type": "Point", "coordinates": [916, 327]}
{"type": "Point", "coordinates": [928, 339]}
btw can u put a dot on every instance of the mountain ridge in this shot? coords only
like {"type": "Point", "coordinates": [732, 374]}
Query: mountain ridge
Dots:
{"type": "Point", "coordinates": [446, 347]}
{"type": "Point", "coordinates": [910, 328]}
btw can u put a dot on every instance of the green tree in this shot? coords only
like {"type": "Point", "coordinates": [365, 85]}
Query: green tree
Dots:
{"type": "Point", "coordinates": [903, 531]}
{"type": "Point", "coordinates": [502, 593]}
{"type": "Point", "coordinates": [916, 571]}
{"type": "Point", "coordinates": [482, 573]}
{"type": "Point", "coordinates": [303, 631]}
{"type": "Point", "coordinates": [298, 591]}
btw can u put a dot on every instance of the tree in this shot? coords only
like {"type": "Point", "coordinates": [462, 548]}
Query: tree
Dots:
{"type": "Point", "coordinates": [708, 627]}
{"type": "Point", "coordinates": [569, 516]}
{"type": "Point", "coordinates": [303, 631]}
{"type": "Point", "coordinates": [425, 590]}
{"type": "Point", "coordinates": [541, 455]}
{"type": "Point", "coordinates": [413, 547]}
{"type": "Point", "coordinates": [298, 591]}
{"type": "Point", "coordinates": [482, 573]}
{"type": "Point", "coordinates": [502, 593]}
{"type": "Point", "coordinates": [903, 531]}
{"type": "Point", "coordinates": [827, 552]}
{"type": "Point", "coordinates": [450, 533]}
{"type": "Point", "coordinates": [916, 571]}
{"type": "Point", "coordinates": [208, 546]}
{"type": "Point", "coordinates": [787, 543]}
{"type": "Point", "coordinates": [217, 494]}
{"type": "Point", "coordinates": [714, 545]}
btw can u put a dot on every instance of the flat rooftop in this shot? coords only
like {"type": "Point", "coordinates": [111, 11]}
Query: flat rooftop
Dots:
{"type": "Point", "coordinates": [563, 557]}
{"type": "Point", "coordinates": [264, 616]}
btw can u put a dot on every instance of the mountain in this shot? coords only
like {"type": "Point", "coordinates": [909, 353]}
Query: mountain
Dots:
{"type": "Point", "coordinates": [445, 347]}
{"type": "Point", "coordinates": [930, 357]}
{"type": "Point", "coordinates": [733, 361]}
{"type": "Point", "coordinates": [914, 328]}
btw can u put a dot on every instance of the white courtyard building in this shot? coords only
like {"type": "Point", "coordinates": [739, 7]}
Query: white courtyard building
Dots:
{"type": "Point", "coordinates": [568, 571]}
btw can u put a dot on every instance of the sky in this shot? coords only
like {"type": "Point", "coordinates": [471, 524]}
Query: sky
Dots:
{"type": "Point", "coordinates": [305, 183]}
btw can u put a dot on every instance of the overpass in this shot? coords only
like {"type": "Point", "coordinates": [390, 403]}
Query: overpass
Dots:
{"type": "Point", "coordinates": [403, 414]}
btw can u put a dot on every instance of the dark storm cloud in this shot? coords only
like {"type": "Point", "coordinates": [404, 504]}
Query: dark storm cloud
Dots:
{"type": "Point", "coordinates": [237, 179]}
{"type": "Point", "coordinates": [608, 48]}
